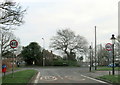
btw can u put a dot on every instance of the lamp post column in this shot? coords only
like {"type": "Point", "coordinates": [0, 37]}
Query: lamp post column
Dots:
{"type": "Point", "coordinates": [113, 42]}
{"type": "Point", "coordinates": [113, 72]}
{"type": "Point", "coordinates": [90, 58]}
{"type": "Point", "coordinates": [43, 51]}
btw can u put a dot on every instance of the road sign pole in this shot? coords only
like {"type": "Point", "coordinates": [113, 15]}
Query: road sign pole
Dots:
{"type": "Point", "coordinates": [13, 64]}
{"type": "Point", "coordinates": [13, 44]}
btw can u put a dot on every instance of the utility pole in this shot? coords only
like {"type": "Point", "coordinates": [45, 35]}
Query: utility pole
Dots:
{"type": "Point", "coordinates": [92, 54]}
{"type": "Point", "coordinates": [1, 44]}
{"type": "Point", "coordinates": [0, 53]}
{"type": "Point", "coordinates": [95, 51]}
{"type": "Point", "coordinates": [1, 50]}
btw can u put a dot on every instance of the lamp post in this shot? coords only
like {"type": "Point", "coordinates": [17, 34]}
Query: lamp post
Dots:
{"type": "Point", "coordinates": [90, 58]}
{"type": "Point", "coordinates": [43, 52]}
{"type": "Point", "coordinates": [113, 42]}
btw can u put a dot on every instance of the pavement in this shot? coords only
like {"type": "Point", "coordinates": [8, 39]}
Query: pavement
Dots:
{"type": "Point", "coordinates": [100, 73]}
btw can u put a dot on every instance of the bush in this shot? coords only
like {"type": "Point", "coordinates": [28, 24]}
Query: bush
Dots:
{"type": "Point", "coordinates": [64, 63]}
{"type": "Point", "coordinates": [58, 63]}
{"type": "Point", "coordinates": [72, 63]}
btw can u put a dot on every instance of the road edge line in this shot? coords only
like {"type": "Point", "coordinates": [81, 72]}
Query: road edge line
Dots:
{"type": "Point", "coordinates": [37, 78]}
{"type": "Point", "coordinates": [94, 79]}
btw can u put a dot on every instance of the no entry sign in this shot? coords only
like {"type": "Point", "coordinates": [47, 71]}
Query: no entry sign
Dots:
{"type": "Point", "coordinates": [13, 43]}
{"type": "Point", "coordinates": [108, 47]}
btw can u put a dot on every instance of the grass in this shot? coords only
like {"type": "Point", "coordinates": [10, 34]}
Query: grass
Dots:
{"type": "Point", "coordinates": [22, 77]}
{"type": "Point", "coordinates": [0, 80]}
{"type": "Point", "coordinates": [111, 78]}
{"type": "Point", "coordinates": [106, 68]}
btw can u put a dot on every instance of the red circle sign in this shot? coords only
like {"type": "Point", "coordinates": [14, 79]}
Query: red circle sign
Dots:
{"type": "Point", "coordinates": [108, 47]}
{"type": "Point", "coordinates": [13, 43]}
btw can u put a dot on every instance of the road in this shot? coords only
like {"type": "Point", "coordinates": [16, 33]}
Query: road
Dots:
{"type": "Point", "coordinates": [65, 75]}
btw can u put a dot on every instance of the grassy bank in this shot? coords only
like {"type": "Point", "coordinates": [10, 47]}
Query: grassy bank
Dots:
{"type": "Point", "coordinates": [22, 77]}
{"type": "Point", "coordinates": [111, 78]}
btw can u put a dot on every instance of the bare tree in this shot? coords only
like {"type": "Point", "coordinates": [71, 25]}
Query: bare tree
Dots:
{"type": "Point", "coordinates": [104, 56]}
{"type": "Point", "coordinates": [6, 37]}
{"type": "Point", "coordinates": [67, 42]}
{"type": "Point", "coordinates": [11, 14]}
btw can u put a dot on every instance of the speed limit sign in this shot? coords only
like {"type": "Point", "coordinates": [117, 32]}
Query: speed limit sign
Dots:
{"type": "Point", "coordinates": [13, 43]}
{"type": "Point", "coordinates": [108, 47]}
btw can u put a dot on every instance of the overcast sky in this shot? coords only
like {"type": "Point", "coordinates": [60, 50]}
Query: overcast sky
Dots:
{"type": "Point", "coordinates": [45, 17]}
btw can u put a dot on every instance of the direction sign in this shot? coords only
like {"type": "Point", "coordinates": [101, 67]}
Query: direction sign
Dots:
{"type": "Point", "coordinates": [108, 47]}
{"type": "Point", "coordinates": [13, 43]}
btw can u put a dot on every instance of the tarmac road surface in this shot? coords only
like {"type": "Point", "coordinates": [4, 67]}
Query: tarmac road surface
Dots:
{"type": "Point", "coordinates": [66, 75]}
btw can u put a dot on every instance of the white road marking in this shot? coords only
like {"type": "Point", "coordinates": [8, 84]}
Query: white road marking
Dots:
{"type": "Point", "coordinates": [37, 78]}
{"type": "Point", "coordinates": [59, 76]}
{"type": "Point", "coordinates": [83, 79]}
{"type": "Point", "coordinates": [41, 78]}
{"type": "Point", "coordinates": [93, 79]}
{"type": "Point", "coordinates": [48, 78]}
{"type": "Point", "coordinates": [74, 78]}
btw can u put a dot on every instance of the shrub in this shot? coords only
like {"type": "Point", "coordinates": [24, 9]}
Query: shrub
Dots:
{"type": "Point", "coordinates": [64, 63]}
{"type": "Point", "coordinates": [58, 62]}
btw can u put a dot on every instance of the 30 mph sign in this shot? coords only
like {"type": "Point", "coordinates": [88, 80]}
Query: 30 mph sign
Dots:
{"type": "Point", "coordinates": [13, 43]}
{"type": "Point", "coordinates": [108, 47]}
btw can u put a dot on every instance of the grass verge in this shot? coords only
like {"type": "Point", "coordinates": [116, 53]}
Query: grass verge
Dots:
{"type": "Point", "coordinates": [21, 77]}
{"type": "Point", "coordinates": [110, 78]}
{"type": "Point", "coordinates": [107, 69]}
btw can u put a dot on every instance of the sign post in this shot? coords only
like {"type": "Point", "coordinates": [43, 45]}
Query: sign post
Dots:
{"type": "Point", "coordinates": [13, 44]}
{"type": "Point", "coordinates": [108, 47]}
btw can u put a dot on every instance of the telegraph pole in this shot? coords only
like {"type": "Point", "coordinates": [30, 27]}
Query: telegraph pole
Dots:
{"type": "Point", "coordinates": [1, 52]}
{"type": "Point", "coordinates": [92, 54]}
{"type": "Point", "coordinates": [95, 51]}
{"type": "Point", "coordinates": [1, 44]}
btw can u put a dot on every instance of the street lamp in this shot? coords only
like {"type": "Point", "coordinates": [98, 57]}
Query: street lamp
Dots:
{"type": "Point", "coordinates": [113, 42]}
{"type": "Point", "coordinates": [43, 52]}
{"type": "Point", "coordinates": [90, 58]}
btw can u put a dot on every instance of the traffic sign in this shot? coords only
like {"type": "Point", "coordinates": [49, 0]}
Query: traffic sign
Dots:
{"type": "Point", "coordinates": [108, 47]}
{"type": "Point", "coordinates": [13, 43]}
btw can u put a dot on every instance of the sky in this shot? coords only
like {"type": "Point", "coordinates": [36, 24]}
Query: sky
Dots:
{"type": "Point", "coordinates": [44, 17]}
